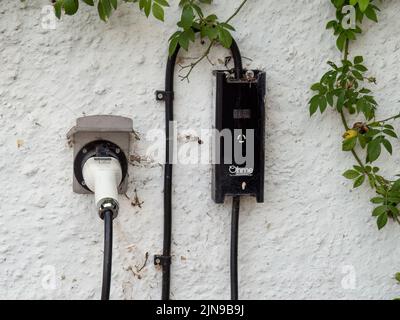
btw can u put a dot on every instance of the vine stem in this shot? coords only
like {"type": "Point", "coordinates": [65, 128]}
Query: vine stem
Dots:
{"type": "Point", "coordinates": [342, 115]}
{"type": "Point", "coordinates": [354, 153]}
{"type": "Point", "coordinates": [236, 12]}
{"type": "Point", "coordinates": [207, 52]}
{"type": "Point", "coordinates": [391, 118]}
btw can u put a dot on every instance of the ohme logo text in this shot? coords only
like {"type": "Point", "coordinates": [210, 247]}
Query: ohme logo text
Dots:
{"type": "Point", "coordinates": [240, 172]}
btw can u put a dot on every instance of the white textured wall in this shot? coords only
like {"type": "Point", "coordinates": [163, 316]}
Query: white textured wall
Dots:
{"type": "Point", "coordinates": [300, 244]}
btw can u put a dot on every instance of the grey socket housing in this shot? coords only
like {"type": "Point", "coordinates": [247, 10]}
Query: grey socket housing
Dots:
{"type": "Point", "coordinates": [115, 129]}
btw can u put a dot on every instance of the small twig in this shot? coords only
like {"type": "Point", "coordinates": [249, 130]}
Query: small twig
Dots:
{"type": "Point", "coordinates": [144, 264]}
{"type": "Point", "coordinates": [136, 201]}
{"type": "Point", "coordinates": [194, 64]}
{"type": "Point", "coordinates": [388, 119]}
{"type": "Point", "coordinates": [236, 12]}
{"type": "Point", "coordinates": [209, 60]}
{"type": "Point", "coordinates": [135, 274]}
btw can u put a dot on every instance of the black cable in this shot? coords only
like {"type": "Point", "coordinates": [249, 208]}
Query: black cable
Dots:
{"type": "Point", "coordinates": [169, 117]}
{"type": "Point", "coordinates": [234, 248]}
{"type": "Point", "coordinates": [107, 262]}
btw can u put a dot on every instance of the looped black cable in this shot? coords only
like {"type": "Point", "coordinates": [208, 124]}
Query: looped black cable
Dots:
{"type": "Point", "coordinates": [169, 117]}
{"type": "Point", "coordinates": [107, 262]}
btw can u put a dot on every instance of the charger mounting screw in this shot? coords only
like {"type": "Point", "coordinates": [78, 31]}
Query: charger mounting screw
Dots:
{"type": "Point", "coordinates": [250, 76]}
{"type": "Point", "coordinates": [162, 261]}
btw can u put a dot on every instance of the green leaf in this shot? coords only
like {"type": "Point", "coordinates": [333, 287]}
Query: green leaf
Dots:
{"type": "Point", "coordinates": [371, 180]}
{"type": "Point", "coordinates": [225, 38]}
{"type": "Point", "coordinates": [351, 174]}
{"type": "Point", "coordinates": [163, 3]}
{"type": "Point", "coordinates": [227, 26]}
{"type": "Point", "coordinates": [114, 4]}
{"type": "Point", "coordinates": [314, 104]}
{"type": "Point", "coordinates": [374, 150]}
{"type": "Point", "coordinates": [395, 212]}
{"type": "Point", "coordinates": [70, 6]}
{"type": "Point", "coordinates": [358, 60]}
{"type": "Point", "coordinates": [358, 75]}
{"type": "Point", "coordinates": [390, 133]}
{"type": "Point", "coordinates": [396, 186]}
{"type": "Point", "coordinates": [379, 211]}
{"type": "Point", "coordinates": [338, 3]}
{"type": "Point", "coordinates": [147, 8]}
{"type": "Point", "coordinates": [349, 144]}
{"type": "Point", "coordinates": [362, 140]}
{"type": "Point", "coordinates": [106, 7]}
{"type": "Point", "coordinates": [361, 68]}
{"type": "Point", "coordinates": [329, 98]}
{"type": "Point", "coordinates": [363, 4]}
{"type": "Point", "coordinates": [322, 104]}
{"type": "Point", "coordinates": [173, 44]}
{"type": "Point", "coordinates": [341, 40]}
{"type": "Point", "coordinates": [359, 169]}
{"type": "Point", "coordinates": [187, 17]}
{"type": "Point", "coordinates": [340, 100]}
{"type": "Point", "coordinates": [101, 11]}
{"type": "Point", "coordinates": [158, 12]}
{"type": "Point", "coordinates": [317, 87]}
{"type": "Point", "coordinates": [387, 145]}
{"type": "Point", "coordinates": [397, 276]}
{"type": "Point", "coordinates": [371, 14]}
{"type": "Point", "coordinates": [210, 32]}
{"type": "Point", "coordinates": [57, 8]}
{"type": "Point", "coordinates": [331, 24]}
{"type": "Point", "coordinates": [184, 40]}
{"type": "Point", "coordinates": [359, 182]}
{"type": "Point", "coordinates": [382, 221]}
{"type": "Point", "coordinates": [378, 200]}
{"type": "Point", "coordinates": [89, 2]}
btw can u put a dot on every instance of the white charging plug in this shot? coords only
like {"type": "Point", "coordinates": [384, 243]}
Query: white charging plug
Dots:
{"type": "Point", "coordinates": [103, 175]}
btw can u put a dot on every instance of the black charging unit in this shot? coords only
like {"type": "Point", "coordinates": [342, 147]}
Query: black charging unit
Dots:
{"type": "Point", "coordinates": [240, 113]}
{"type": "Point", "coordinates": [239, 135]}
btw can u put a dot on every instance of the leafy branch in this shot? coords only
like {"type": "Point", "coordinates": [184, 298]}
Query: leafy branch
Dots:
{"type": "Point", "coordinates": [345, 88]}
{"type": "Point", "coordinates": [192, 20]}
{"type": "Point", "coordinates": [105, 8]}
{"type": "Point", "coordinates": [208, 27]}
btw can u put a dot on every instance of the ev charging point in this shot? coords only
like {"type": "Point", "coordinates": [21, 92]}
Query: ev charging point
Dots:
{"type": "Point", "coordinates": [101, 150]}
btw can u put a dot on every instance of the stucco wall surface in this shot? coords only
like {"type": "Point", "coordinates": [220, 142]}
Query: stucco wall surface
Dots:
{"type": "Point", "coordinates": [313, 238]}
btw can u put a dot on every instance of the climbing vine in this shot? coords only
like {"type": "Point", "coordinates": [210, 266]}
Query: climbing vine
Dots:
{"type": "Point", "coordinates": [345, 87]}
{"type": "Point", "coordinates": [192, 20]}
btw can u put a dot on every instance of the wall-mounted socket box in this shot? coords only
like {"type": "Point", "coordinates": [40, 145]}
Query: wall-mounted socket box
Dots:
{"type": "Point", "coordinates": [239, 112]}
{"type": "Point", "coordinates": [115, 130]}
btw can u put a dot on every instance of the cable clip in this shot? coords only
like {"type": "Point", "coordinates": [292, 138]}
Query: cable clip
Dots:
{"type": "Point", "coordinates": [164, 95]}
{"type": "Point", "coordinates": [163, 261]}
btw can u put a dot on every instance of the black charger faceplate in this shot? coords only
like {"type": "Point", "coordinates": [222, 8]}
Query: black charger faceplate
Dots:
{"type": "Point", "coordinates": [239, 106]}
